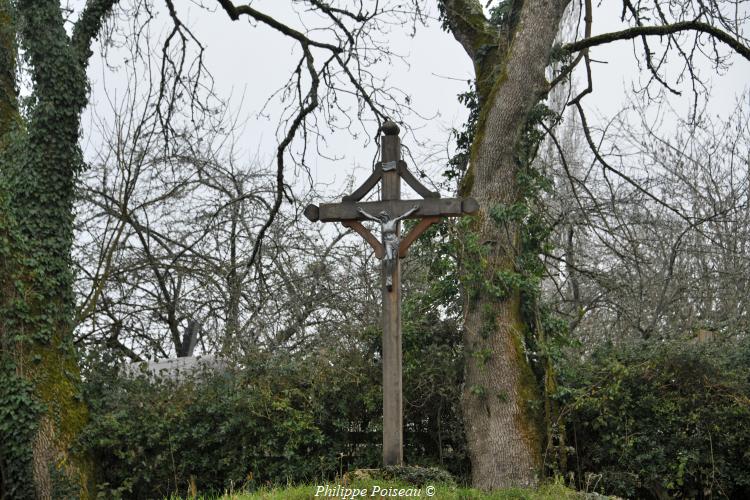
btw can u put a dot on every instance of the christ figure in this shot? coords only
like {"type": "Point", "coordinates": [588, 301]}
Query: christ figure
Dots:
{"type": "Point", "coordinates": [391, 239]}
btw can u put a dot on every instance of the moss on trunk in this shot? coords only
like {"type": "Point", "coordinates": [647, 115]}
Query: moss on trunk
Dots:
{"type": "Point", "coordinates": [39, 163]}
{"type": "Point", "coordinates": [503, 399]}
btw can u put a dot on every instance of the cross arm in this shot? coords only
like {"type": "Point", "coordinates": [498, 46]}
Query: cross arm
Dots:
{"type": "Point", "coordinates": [377, 174]}
{"type": "Point", "coordinates": [357, 227]}
{"type": "Point", "coordinates": [433, 207]}
{"type": "Point", "coordinates": [367, 186]}
{"type": "Point", "coordinates": [416, 231]}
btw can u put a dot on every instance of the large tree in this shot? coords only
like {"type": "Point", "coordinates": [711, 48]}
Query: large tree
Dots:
{"type": "Point", "coordinates": [39, 160]}
{"type": "Point", "coordinates": [513, 51]}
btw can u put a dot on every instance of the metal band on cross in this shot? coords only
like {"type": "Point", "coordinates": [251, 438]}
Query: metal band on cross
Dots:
{"type": "Point", "coordinates": [389, 212]}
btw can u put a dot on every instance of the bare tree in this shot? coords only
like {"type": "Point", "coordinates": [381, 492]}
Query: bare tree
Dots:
{"type": "Point", "coordinates": [167, 248]}
{"type": "Point", "coordinates": [673, 267]}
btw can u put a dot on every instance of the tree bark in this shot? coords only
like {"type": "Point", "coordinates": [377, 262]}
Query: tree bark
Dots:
{"type": "Point", "coordinates": [38, 167]}
{"type": "Point", "coordinates": [8, 53]}
{"type": "Point", "coordinates": [501, 398]}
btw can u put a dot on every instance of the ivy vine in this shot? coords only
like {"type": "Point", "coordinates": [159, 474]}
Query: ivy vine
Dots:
{"type": "Point", "coordinates": [40, 160]}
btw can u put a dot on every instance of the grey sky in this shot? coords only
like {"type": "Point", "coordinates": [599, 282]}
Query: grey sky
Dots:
{"type": "Point", "coordinates": [251, 62]}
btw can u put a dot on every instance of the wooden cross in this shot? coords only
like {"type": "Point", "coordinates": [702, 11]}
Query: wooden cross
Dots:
{"type": "Point", "coordinates": [390, 210]}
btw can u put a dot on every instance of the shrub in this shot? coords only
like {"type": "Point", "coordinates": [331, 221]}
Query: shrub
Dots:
{"type": "Point", "coordinates": [151, 437]}
{"type": "Point", "coordinates": [416, 475]}
{"type": "Point", "coordinates": [656, 420]}
{"type": "Point", "coordinates": [274, 419]}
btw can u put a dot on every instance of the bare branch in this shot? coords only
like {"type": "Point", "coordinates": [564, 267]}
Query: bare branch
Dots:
{"type": "Point", "coordinates": [235, 12]}
{"type": "Point", "coordinates": [587, 18]}
{"type": "Point", "coordinates": [312, 103]}
{"type": "Point", "coordinates": [668, 29]}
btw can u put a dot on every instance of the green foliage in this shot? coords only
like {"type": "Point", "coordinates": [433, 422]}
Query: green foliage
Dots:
{"type": "Point", "coordinates": [272, 420]}
{"type": "Point", "coordinates": [504, 14]}
{"type": "Point", "coordinates": [457, 164]}
{"type": "Point", "coordinates": [8, 56]}
{"type": "Point", "coordinates": [414, 475]}
{"type": "Point", "coordinates": [526, 215]}
{"type": "Point", "coordinates": [515, 275]}
{"type": "Point", "coordinates": [245, 427]}
{"type": "Point", "coordinates": [41, 165]}
{"type": "Point", "coordinates": [19, 407]}
{"type": "Point", "coordinates": [39, 369]}
{"type": "Point", "coordinates": [560, 55]}
{"type": "Point", "coordinates": [432, 375]}
{"type": "Point", "coordinates": [19, 410]}
{"type": "Point", "coordinates": [433, 354]}
{"type": "Point", "coordinates": [657, 420]}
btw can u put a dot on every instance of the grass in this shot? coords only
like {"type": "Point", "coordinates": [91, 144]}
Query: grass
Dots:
{"type": "Point", "coordinates": [548, 492]}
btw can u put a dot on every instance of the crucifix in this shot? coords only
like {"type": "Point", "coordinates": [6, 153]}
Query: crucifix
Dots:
{"type": "Point", "coordinates": [389, 212]}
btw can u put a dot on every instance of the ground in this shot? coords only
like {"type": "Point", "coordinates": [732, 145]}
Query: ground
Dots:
{"type": "Point", "coordinates": [553, 491]}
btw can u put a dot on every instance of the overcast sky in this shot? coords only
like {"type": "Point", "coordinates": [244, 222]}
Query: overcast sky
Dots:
{"type": "Point", "coordinates": [250, 62]}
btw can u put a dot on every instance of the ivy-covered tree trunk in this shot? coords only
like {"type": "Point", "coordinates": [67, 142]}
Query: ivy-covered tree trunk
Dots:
{"type": "Point", "coordinates": [8, 94]}
{"type": "Point", "coordinates": [40, 410]}
{"type": "Point", "coordinates": [19, 410]}
{"type": "Point", "coordinates": [502, 401]}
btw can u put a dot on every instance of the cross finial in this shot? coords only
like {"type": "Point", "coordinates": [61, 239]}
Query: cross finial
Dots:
{"type": "Point", "coordinates": [390, 128]}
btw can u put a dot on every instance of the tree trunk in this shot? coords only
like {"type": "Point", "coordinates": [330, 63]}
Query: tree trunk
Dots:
{"type": "Point", "coordinates": [233, 283]}
{"type": "Point", "coordinates": [39, 161]}
{"type": "Point", "coordinates": [502, 401]}
{"type": "Point", "coordinates": [8, 52]}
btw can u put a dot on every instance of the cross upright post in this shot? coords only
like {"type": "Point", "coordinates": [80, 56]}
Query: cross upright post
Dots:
{"type": "Point", "coordinates": [393, 435]}
{"type": "Point", "coordinates": [390, 210]}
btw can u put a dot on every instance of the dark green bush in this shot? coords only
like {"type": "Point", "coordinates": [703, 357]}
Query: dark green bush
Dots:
{"type": "Point", "coordinates": [223, 430]}
{"type": "Point", "coordinates": [272, 420]}
{"type": "Point", "coordinates": [416, 475]}
{"type": "Point", "coordinates": [657, 421]}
